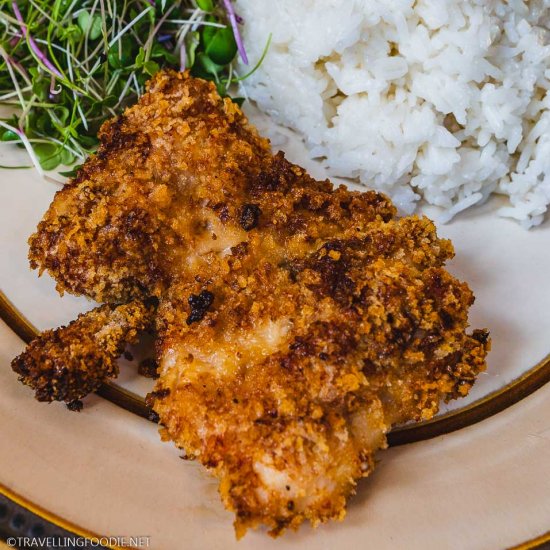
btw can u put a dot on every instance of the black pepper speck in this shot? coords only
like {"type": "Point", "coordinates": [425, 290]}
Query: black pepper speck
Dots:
{"type": "Point", "coordinates": [199, 306]}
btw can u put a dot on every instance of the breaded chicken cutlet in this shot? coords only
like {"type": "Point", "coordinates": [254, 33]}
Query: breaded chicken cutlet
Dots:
{"type": "Point", "coordinates": [297, 322]}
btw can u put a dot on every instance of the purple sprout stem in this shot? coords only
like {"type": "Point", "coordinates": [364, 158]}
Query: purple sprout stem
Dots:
{"type": "Point", "coordinates": [20, 68]}
{"type": "Point", "coordinates": [38, 52]}
{"type": "Point", "coordinates": [235, 26]}
{"type": "Point", "coordinates": [16, 39]}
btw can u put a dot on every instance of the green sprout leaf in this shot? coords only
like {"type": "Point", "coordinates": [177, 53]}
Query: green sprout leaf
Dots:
{"type": "Point", "coordinates": [48, 155]}
{"type": "Point", "coordinates": [84, 20]}
{"type": "Point", "coordinates": [206, 67]}
{"type": "Point", "coordinates": [9, 135]}
{"type": "Point", "coordinates": [120, 54]}
{"type": "Point", "coordinates": [205, 5]}
{"type": "Point", "coordinates": [71, 173]}
{"type": "Point", "coordinates": [150, 67]}
{"type": "Point", "coordinates": [220, 45]}
{"type": "Point", "coordinates": [88, 60]}
{"type": "Point", "coordinates": [90, 25]}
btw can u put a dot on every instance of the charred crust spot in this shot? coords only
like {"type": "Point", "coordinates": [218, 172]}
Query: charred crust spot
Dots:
{"type": "Point", "coordinates": [290, 505]}
{"type": "Point", "coordinates": [480, 335]}
{"type": "Point", "coordinates": [152, 302]}
{"type": "Point", "coordinates": [332, 265]}
{"type": "Point", "coordinates": [240, 251]}
{"type": "Point", "coordinates": [290, 364]}
{"type": "Point", "coordinates": [199, 306]}
{"type": "Point", "coordinates": [436, 287]}
{"type": "Point", "coordinates": [262, 421]}
{"type": "Point", "coordinates": [222, 210]}
{"type": "Point", "coordinates": [277, 176]}
{"type": "Point", "coordinates": [446, 319]}
{"type": "Point", "coordinates": [224, 214]}
{"type": "Point", "coordinates": [264, 182]}
{"type": "Point", "coordinates": [369, 368]}
{"type": "Point", "coordinates": [280, 525]}
{"type": "Point", "coordinates": [20, 366]}
{"type": "Point", "coordinates": [75, 406]}
{"type": "Point", "coordinates": [302, 347]}
{"type": "Point", "coordinates": [157, 394]}
{"type": "Point", "coordinates": [148, 368]}
{"type": "Point", "coordinates": [249, 217]}
{"type": "Point", "coordinates": [335, 336]}
{"type": "Point", "coordinates": [268, 417]}
{"type": "Point", "coordinates": [114, 138]}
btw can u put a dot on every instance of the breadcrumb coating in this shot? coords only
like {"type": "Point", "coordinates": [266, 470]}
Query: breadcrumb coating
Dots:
{"type": "Point", "coordinates": [68, 363]}
{"type": "Point", "coordinates": [297, 322]}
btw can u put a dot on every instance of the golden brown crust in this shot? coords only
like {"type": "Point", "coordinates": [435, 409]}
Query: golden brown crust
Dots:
{"type": "Point", "coordinates": [297, 322]}
{"type": "Point", "coordinates": [68, 363]}
{"type": "Point", "coordinates": [116, 230]}
{"type": "Point", "coordinates": [297, 370]}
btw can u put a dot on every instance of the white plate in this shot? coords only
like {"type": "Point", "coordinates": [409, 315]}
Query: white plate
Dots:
{"type": "Point", "coordinates": [485, 486]}
{"type": "Point", "coordinates": [105, 470]}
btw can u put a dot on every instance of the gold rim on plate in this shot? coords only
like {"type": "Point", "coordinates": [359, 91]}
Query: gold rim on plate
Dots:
{"type": "Point", "coordinates": [477, 411]}
{"type": "Point", "coordinates": [50, 517]}
{"type": "Point", "coordinates": [532, 544]}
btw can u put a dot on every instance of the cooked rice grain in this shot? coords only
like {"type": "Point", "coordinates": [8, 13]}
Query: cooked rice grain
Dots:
{"type": "Point", "coordinates": [446, 101]}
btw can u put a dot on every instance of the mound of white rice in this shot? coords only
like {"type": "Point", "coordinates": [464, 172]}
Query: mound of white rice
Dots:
{"type": "Point", "coordinates": [445, 100]}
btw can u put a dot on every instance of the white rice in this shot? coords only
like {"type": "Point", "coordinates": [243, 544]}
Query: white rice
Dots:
{"type": "Point", "coordinates": [445, 100]}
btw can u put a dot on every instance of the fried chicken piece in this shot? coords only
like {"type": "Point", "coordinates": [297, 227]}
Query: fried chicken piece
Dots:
{"type": "Point", "coordinates": [288, 384]}
{"type": "Point", "coordinates": [68, 363]}
{"type": "Point", "coordinates": [297, 322]}
{"type": "Point", "coordinates": [178, 176]}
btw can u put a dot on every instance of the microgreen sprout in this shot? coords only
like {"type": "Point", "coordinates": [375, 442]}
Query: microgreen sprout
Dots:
{"type": "Point", "coordinates": [68, 65]}
{"type": "Point", "coordinates": [234, 24]}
